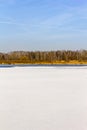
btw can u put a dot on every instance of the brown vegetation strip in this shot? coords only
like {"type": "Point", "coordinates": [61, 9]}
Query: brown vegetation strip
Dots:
{"type": "Point", "coordinates": [44, 57]}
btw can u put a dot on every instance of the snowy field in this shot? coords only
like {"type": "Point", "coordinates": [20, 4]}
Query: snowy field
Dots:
{"type": "Point", "coordinates": [43, 98]}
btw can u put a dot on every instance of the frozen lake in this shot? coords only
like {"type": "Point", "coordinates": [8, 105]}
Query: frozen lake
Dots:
{"type": "Point", "coordinates": [43, 98]}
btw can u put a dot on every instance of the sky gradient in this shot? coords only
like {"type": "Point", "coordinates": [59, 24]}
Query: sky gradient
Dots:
{"type": "Point", "coordinates": [43, 25]}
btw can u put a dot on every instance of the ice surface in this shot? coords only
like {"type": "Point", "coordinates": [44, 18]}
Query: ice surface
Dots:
{"type": "Point", "coordinates": [43, 98]}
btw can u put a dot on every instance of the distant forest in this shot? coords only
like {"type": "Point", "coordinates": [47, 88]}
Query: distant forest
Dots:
{"type": "Point", "coordinates": [44, 57]}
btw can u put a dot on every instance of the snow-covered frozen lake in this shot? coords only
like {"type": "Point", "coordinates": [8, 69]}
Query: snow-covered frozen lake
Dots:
{"type": "Point", "coordinates": [43, 98]}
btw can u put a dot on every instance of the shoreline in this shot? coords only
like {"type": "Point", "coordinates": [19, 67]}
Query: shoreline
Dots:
{"type": "Point", "coordinates": [44, 63]}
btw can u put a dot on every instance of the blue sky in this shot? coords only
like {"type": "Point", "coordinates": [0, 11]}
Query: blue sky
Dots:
{"type": "Point", "coordinates": [43, 24]}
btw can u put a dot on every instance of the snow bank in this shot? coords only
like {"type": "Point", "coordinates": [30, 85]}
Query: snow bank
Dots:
{"type": "Point", "coordinates": [43, 98]}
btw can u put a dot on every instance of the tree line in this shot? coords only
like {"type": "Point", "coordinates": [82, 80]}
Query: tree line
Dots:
{"type": "Point", "coordinates": [43, 56]}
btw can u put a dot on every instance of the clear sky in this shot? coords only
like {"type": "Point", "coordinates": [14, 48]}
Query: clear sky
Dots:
{"type": "Point", "coordinates": [43, 24]}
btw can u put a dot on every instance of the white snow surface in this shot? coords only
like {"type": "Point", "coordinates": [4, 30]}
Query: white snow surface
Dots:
{"type": "Point", "coordinates": [43, 98]}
